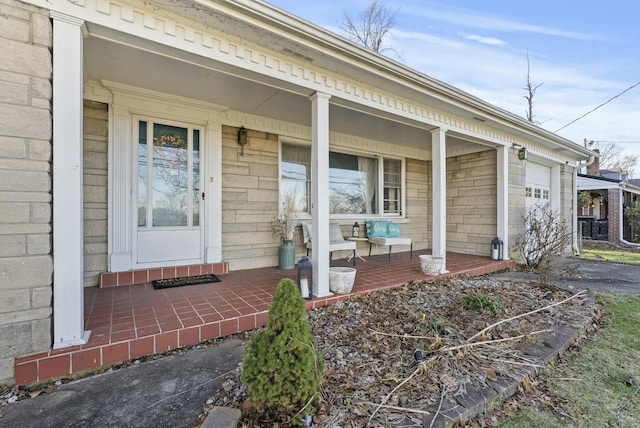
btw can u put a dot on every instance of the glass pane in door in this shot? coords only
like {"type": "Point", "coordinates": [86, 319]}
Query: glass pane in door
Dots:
{"type": "Point", "coordinates": [196, 177]}
{"type": "Point", "coordinates": [170, 176]}
{"type": "Point", "coordinates": [142, 173]}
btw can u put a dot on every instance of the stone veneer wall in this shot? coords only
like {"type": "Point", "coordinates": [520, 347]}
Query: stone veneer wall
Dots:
{"type": "Point", "coordinates": [25, 183]}
{"type": "Point", "coordinates": [517, 200]}
{"type": "Point", "coordinates": [418, 204]}
{"type": "Point", "coordinates": [95, 126]}
{"type": "Point", "coordinates": [471, 202]}
{"type": "Point", "coordinates": [249, 199]}
{"type": "Point", "coordinates": [567, 196]}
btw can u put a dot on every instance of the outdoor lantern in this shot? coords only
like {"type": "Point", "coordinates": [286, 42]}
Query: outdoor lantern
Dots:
{"type": "Point", "coordinates": [305, 277]}
{"type": "Point", "coordinates": [243, 139]}
{"type": "Point", "coordinates": [356, 230]}
{"type": "Point", "coordinates": [497, 249]}
{"type": "Point", "coordinates": [522, 153]}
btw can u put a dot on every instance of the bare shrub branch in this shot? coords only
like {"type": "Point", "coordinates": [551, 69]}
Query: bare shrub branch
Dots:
{"type": "Point", "coordinates": [546, 234]}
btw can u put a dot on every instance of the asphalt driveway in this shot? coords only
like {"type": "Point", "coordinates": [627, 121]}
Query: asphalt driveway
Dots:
{"type": "Point", "coordinates": [577, 274]}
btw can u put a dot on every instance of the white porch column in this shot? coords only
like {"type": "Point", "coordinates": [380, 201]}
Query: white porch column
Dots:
{"type": "Point", "coordinates": [439, 194]}
{"type": "Point", "coordinates": [320, 192]}
{"type": "Point", "coordinates": [68, 281]}
{"type": "Point", "coordinates": [502, 215]}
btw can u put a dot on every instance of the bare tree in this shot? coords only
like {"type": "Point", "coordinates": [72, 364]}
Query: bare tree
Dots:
{"type": "Point", "coordinates": [613, 156]}
{"type": "Point", "coordinates": [531, 91]}
{"type": "Point", "coordinates": [371, 27]}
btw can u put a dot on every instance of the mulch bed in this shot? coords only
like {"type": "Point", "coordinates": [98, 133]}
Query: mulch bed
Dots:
{"type": "Point", "coordinates": [369, 344]}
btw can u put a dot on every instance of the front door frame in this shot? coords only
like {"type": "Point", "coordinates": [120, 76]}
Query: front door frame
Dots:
{"type": "Point", "coordinates": [157, 237]}
{"type": "Point", "coordinates": [126, 104]}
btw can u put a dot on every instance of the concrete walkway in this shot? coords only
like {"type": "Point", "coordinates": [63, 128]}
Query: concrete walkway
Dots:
{"type": "Point", "coordinates": [167, 392]}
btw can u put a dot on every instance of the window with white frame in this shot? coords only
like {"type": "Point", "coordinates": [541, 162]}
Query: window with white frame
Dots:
{"type": "Point", "coordinates": [354, 182]}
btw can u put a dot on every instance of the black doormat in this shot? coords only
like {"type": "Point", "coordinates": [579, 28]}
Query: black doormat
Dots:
{"type": "Point", "coordinates": [186, 280]}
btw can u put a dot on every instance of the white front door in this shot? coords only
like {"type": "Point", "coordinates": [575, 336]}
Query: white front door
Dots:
{"type": "Point", "coordinates": [168, 205]}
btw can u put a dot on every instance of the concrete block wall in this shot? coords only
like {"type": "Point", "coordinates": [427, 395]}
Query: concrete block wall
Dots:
{"type": "Point", "coordinates": [25, 183]}
{"type": "Point", "coordinates": [471, 202]}
{"type": "Point", "coordinates": [418, 204]}
{"type": "Point", "coordinates": [95, 126]}
{"type": "Point", "coordinates": [567, 196]}
{"type": "Point", "coordinates": [249, 199]}
{"type": "Point", "coordinates": [517, 199]}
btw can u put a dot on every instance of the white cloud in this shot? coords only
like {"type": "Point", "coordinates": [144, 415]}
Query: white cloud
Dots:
{"type": "Point", "coordinates": [484, 40]}
{"type": "Point", "coordinates": [414, 36]}
{"type": "Point", "coordinates": [469, 18]}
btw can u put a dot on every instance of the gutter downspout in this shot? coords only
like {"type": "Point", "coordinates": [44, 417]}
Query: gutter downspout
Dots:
{"type": "Point", "coordinates": [575, 248]}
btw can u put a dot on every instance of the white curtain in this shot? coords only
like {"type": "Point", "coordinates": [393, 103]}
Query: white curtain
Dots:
{"type": "Point", "coordinates": [296, 154]}
{"type": "Point", "coordinates": [297, 185]}
{"type": "Point", "coordinates": [367, 167]}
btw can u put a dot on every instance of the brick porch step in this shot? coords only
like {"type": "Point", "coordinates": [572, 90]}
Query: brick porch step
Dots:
{"type": "Point", "coordinates": [114, 279]}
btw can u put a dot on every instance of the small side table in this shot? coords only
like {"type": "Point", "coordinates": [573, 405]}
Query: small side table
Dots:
{"type": "Point", "coordinates": [353, 238]}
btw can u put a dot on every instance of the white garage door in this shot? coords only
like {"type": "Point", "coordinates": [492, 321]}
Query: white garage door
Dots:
{"type": "Point", "coordinates": [538, 185]}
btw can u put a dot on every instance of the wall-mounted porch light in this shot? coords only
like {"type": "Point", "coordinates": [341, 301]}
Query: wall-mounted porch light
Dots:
{"type": "Point", "coordinates": [243, 139]}
{"type": "Point", "coordinates": [523, 154]}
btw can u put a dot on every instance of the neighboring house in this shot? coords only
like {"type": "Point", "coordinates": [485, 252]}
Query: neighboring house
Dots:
{"type": "Point", "coordinates": [608, 205]}
{"type": "Point", "coordinates": [119, 151]}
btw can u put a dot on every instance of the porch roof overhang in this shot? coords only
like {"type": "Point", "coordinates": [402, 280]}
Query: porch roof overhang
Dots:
{"type": "Point", "coordinates": [596, 183]}
{"type": "Point", "coordinates": [314, 48]}
{"type": "Point", "coordinates": [589, 182]}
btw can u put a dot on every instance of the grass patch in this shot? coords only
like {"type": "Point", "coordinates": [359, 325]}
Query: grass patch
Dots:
{"type": "Point", "coordinates": [481, 302]}
{"type": "Point", "coordinates": [599, 385]}
{"type": "Point", "coordinates": [629, 257]}
{"type": "Point", "coordinates": [603, 251]}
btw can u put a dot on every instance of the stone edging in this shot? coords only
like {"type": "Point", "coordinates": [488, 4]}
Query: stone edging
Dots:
{"type": "Point", "coordinates": [476, 399]}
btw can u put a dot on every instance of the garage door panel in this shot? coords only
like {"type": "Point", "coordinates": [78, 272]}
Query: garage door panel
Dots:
{"type": "Point", "coordinates": [538, 183]}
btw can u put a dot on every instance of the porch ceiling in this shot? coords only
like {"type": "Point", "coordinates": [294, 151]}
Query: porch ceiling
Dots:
{"type": "Point", "coordinates": [113, 56]}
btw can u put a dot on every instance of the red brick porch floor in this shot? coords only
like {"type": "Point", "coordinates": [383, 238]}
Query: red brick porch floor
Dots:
{"type": "Point", "coordinates": [132, 321]}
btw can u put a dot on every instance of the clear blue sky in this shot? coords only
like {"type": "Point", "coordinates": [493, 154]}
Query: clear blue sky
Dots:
{"type": "Point", "coordinates": [582, 52]}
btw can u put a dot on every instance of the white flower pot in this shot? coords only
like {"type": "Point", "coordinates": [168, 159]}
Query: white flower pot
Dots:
{"type": "Point", "coordinates": [341, 279]}
{"type": "Point", "coordinates": [431, 265]}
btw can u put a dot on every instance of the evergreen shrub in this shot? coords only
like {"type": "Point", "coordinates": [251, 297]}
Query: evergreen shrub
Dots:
{"type": "Point", "coordinates": [282, 369]}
